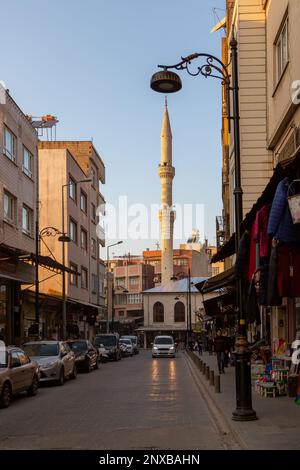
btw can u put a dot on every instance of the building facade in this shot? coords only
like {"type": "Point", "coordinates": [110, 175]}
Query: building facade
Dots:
{"type": "Point", "coordinates": [64, 167]}
{"type": "Point", "coordinates": [166, 310]}
{"type": "Point", "coordinates": [18, 200]}
{"type": "Point", "coordinates": [130, 280]}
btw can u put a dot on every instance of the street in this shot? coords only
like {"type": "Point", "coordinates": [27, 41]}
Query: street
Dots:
{"type": "Point", "coordinates": [136, 403]}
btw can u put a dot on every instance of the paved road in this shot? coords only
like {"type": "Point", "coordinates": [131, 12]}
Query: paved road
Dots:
{"type": "Point", "coordinates": [137, 403]}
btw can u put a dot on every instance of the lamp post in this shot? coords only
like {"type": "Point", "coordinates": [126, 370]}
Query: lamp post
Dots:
{"type": "Point", "coordinates": [107, 279]}
{"type": "Point", "coordinates": [65, 238]}
{"type": "Point", "coordinates": [166, 81]}
{"type": "Point", "coordinates": [45, 232]}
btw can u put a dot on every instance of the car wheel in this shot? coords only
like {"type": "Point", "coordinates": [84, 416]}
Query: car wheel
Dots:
{"type": "Point", "coordinates": [74, 373]}
{"type": "Point", "coordinates": [61, 379]}
{"type": "Point", "coordinates": [33, 389]}
{"type": "Point", "coordinates": [6, 396]}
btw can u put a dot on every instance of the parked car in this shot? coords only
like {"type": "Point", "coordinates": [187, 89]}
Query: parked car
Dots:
{"type": "Point", "coordinates": [103, 356]}
{"type": "Point", "coordinates": [163, 346]}
{"type": "Point", "coordinates": [111, 345]}
{"type": "Point", "coordinates": [135, 342]}
{"type": "Point", "coordinates": [86, 355]}
{"type": "Point", "coordinates": [17, 374]}
{"type": "Point", "coordinates": [55, 358]}
{"type": "Point", "coordinates": [127, 346]}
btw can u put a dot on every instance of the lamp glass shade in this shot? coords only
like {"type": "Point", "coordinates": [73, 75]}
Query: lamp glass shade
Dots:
{"type": "Point", "coordinates": [165, 82]}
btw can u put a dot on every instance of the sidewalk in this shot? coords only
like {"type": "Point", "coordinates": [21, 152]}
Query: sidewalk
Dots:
{"type": "Point", "coordinates": [278, 424]}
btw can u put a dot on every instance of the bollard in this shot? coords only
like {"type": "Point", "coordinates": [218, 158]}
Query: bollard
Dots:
{"type": "Point", "coordinates": [217, 384]}
{"type": "Point", "coordinates": [212, 378]}
{"type": "Point", "coordinates": [207, 373]}
{"type": "Point", "coordinates": [200, 364]}
{"type": "Point", "coordinates": [204, 369]}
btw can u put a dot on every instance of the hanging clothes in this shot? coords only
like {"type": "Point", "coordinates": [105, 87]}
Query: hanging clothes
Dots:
{"type": "Point", "coordinates": [288, 270]}
{"type": "Point", "coordinates": [280, 224]}
{"type": "Point", "coordinates": [251, 304]}
{"type": "Point", "coordinates": [241, 263]}
{"type": "Point", "coordinates": [261, 231]}
{"type": "Point", "coordinates": [273, 297]}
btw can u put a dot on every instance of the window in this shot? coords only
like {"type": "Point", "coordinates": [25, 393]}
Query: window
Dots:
{"type": "Point", "coordinates": [215, 270]}
{"type": "Point", "coordinates": [158, 312]}
{"type": "Point", "coordinates": [10, 207]}
{"type": "Point", "coordinates": [83, 239]}
{"type": "Point", "coordinates": [94, 283]}
{"type": "Point", "coordinates": [93, 212]}
{"type": "Point", "coordinates": [27, 220]}
{"type": "Point", "coordinates": [121, 313]}
{"type": "Point", "coordinates": [72, 189]}
{"type": "Point", "coordinates": [83, 202]}
{"type": "Point", "coordinates": [134, 280]}
{"type": "Point", "coordinates": [73, 231]}
{"type": "Point", "coordinates": [73, 276]}
{"type": "Point", "coordinates": [15, 359]}
{"type": "Point", "coordinates": [84, 278]}
{"type": "Point", "coordinates": [94, 248]}
{"type": "Point", "coordinates": [134, 298]}
{"type": "Point", "coordinates": [120, 281]}
{"type": "Point", "coordinates": [27, 162]}
{"type": "Point", "coordinates": [94, 176]}
{"type": "Point", "coordinates": [23, 358]}
{"type": "Point", "coordinates": [181, 262]}
{"type": "Point", "coordinates": [179, 312]}
{"type": "Point", "coordinates": [10, 144]}
{"type": "Point", "coordinates": [282, 54]}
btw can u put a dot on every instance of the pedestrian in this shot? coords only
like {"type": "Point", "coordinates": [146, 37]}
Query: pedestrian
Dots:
{"type": "Point", "coordinates": [199, 347]}
{"type": "Point", "coordinates": [220, 348]}
{"type": "Point", "coordinates": [227, 350]}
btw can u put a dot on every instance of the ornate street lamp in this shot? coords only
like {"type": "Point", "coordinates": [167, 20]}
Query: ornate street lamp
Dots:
{"type": "Point", "coordinates": [167, 81]}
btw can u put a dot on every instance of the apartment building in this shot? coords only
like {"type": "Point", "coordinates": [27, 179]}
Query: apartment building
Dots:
{"type": "Point", "coordinates": [246, 20]}
{"type": "Point", "coordinates": [18, 185]}
{"type": "Point", "coordinates": [184, 260]}
{"type": "Point", "coordinates": [65, 168]}
{"type": "Point", "coordinates": [130, 280]}
{"type": "Point", "coordinates": [283, 124]}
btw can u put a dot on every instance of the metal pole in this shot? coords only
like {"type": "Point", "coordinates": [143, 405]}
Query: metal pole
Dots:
{"type": "Point", "coordinates": [37, 252]}
{"type": "Point", "coordinates": [107, 289]}
{"type": "Point", "coordinates": [64, 304]}
{"type": "Point", "coordinates": [244, 411]}
{"type": "Point", "coordinates": [190, 306]}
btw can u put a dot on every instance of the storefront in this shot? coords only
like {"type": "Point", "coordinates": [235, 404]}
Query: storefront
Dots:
{"type": "Point", "coordinates": [268, 264]}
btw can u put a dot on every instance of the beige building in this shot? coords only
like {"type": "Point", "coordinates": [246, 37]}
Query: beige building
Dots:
{"type": "Point", "coordinates": [247, 20]}
{"type": "Point", "coordinates": [66, 164]}
{"type": "Point", "coordinates": [18, 184]}
{"type": "Point", "coordinates": [283, 124]}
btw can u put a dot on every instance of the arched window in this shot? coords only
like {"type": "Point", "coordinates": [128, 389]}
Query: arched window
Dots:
{"type": "Point", "coordinates": [158, 312]}
{"type": "Point", "coordinates": [179, 312]}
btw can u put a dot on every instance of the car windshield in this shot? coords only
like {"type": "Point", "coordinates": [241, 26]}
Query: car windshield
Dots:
{"type": "Point", "coordinates": [106, 340]}
{"type": "Point", "coordinates": [125, 341]}
{"type": "Point", "coordinates": [78, 346]}
{"type": "Point", "coordinates": [3, 359]}
{"type": "Point", "coordinates": [163, 341]}
{"type": "Point", "coordinates": [41, 349]}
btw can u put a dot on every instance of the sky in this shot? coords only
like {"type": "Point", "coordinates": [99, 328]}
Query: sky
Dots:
{"type": "Point", "coordinates": [90, 62]}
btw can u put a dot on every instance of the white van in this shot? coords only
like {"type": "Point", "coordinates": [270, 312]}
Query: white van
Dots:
{"type": "Point", "coordinates": [163, 346]}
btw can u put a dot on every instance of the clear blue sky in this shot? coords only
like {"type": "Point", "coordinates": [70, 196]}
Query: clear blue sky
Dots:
{"type": "Point", "coordinates": [89, 63]}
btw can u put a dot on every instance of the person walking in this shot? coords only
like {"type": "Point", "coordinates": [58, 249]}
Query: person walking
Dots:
{"type": "Point", "coordinates": [220, 348]}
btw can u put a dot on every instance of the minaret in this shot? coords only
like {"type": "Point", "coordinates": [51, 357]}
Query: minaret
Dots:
{"type": "Point", "coordinates": [166, 173]}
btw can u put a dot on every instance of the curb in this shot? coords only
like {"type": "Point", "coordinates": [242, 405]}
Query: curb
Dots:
{"type": "Point", "coordinates": [230, 437]}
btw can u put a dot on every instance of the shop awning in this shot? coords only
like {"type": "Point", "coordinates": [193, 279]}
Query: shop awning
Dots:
{"type": "Point", "coordinates": [266, 197]}
{"type": "Point", "coordinates": [220, 305]}
{"type": "Point", "coordinates": [81, 302]}
{"type": "Point", "coordinates": [217, 282]}
{"type": "Point", "coordinates": [15, 254]}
